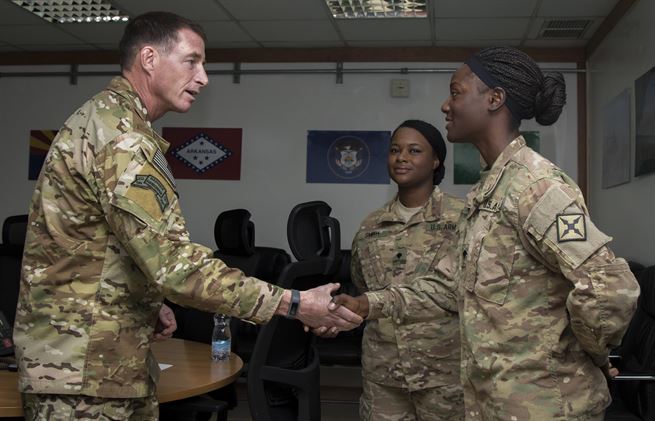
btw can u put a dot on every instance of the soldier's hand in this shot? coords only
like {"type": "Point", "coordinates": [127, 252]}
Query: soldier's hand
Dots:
{"type": "Point", "coordinates": [358, 305]}
{"type": "Point", "coordinates": [166, 323]}
{"type": "Point", "coordinates": [323, 331]}
{"type": "Point", "coordinates": [313, 310]}
{"type": "Point", "coordinates": [610, 371]}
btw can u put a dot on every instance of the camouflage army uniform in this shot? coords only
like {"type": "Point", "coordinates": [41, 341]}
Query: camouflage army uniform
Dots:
{"type": "Point", "coordinates": [542, 299]}
{"type": "Point", "coordinates": [418, 358]}
{"type": "Point", "coordinates": [88, 408]}
{"type": "Point", "coordinates": [106, 242]}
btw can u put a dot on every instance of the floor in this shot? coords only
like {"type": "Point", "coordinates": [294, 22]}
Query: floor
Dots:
{"type": "Point", "coordinates": [340, 390]}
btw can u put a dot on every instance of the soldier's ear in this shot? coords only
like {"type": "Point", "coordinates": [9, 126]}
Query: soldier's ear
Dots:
{"type": "Point", "coordinates": [148, 57]}
{"type": "Point", "coordinates": [497, 98]}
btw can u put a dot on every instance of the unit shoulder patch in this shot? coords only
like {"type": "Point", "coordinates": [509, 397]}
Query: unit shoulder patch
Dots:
{"type": "Point", "coordinates": [571, 227]}
{"type": "Point", "coordinates": [149, 182]}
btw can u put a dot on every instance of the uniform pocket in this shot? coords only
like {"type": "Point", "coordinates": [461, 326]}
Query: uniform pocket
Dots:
{"type": "Point", "coordinates": [373, 269]}
{"type": "Point", "coordinates": [489, 258]}
{"type": "Point", "coordinates": [494, 268]}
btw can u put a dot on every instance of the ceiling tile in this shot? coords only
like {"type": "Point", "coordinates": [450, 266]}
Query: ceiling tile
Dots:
{"type": "Point", "coordinates": [101, 33]}
{"type": "Point", "coordinates": [591, 30]}
{"type": "Point", "coordinates": [483, 8]}
{"type": "Point", "coordinates": [229, 44]}
{"type": "Point", "coordinates": [291, 30]}
{"type": "Point", "coordinates": [277, 10]}
{"type": "Point", "coordinates": [392, 43]}
{"type": "Point", "coordinates": [555, 43]}
{"type": "Point", "coordinates": [58, 47]}
{"type": "Point", "coordinates": [194, 10]}
{"type": "Point", "coordinates": [478, 43]}
{"type": "Point", "coordinates": [385, 29]}
{"type": "Point", "coordinates": [303, 44]}
{"type": "Point", "coordinates": [576, 7]}
{"type": "Point", "coordinates": [13, 14]}
{"type": "Point", "coordinates": [35, 34]}
{"type": "Point", "coordinates": [480, 29]}
{"type": "Point", "coordinates": [106, 47]}
{"type": "Point", "coordinates": [224, 31]}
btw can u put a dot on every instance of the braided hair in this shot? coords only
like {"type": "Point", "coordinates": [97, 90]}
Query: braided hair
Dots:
{"type": "Point", "coordinates": [531, 92]}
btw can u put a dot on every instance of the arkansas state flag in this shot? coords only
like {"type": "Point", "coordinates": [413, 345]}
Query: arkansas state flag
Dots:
{"type": "Point", "coordinates": [204, 154]}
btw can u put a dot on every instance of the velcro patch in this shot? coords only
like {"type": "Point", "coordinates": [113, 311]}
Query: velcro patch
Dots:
{"type": "Point", "coordinates": [149, 182]}
{"type": "Point", "coordinates": [571, 227]}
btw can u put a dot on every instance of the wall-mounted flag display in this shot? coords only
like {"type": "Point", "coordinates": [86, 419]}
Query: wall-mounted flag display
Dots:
{"type": "Point", "coordinates": [352, 157]}
{"type": "Point", "coordinates": [40, 141]}
{"type": "Point", "coordinates": [204, 154]}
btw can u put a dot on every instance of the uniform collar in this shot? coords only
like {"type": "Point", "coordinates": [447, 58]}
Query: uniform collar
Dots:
{"type": "Point", "coordinates": [489, 178]}
{"type": "Point", "coordinates": [430, 212]}
{"type": "Point", "coordinates": [121, 86]}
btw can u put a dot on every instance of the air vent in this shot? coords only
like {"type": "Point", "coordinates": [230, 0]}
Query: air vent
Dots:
{"type": "Point", "coordinates": [564, 28]}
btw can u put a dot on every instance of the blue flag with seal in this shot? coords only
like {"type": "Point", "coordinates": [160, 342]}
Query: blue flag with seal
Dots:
{"type": "Point", "coordinates": [351, 157]}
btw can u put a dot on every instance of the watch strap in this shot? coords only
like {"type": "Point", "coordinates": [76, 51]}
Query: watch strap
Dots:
{"type": "Point", "coordinates": [294, 304]}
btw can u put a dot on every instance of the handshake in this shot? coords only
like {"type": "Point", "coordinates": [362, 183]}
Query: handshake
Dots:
{"type": "Point", "coordinates": [326, 315]}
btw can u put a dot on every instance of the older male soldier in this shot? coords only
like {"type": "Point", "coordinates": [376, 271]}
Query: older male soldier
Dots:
{"type": "Point", "coordinates": [107, 242]}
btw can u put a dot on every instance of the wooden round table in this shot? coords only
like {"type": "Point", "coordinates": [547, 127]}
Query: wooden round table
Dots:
{"type": "Point", "coordinates": [193, 373]}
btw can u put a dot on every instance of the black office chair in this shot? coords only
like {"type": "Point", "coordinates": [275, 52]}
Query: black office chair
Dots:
{"type": "Point", "coordinates": [284, 372]}
{"type": "Point", "coordinates": [14, 230]}
{"type": "Point", "coordinates": [633, 390]}
{"type": "Point", "coordinates": [11, 256]}
{"type": "Point", "coordinates": [234, 234]}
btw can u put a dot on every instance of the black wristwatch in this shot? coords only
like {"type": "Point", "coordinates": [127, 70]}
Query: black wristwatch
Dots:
{"type": "Point", "coordinates": [294, 304]}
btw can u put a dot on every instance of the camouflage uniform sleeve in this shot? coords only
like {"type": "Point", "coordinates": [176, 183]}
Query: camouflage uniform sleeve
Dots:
{"type": "Point", "coordinates": [423, 299]}
{"type": "Point", "coordinates": [556, 230]}
{"type": "Point", "coordinates": [142, 210]}
{"type": "Point", "coordinates": [356, 267]}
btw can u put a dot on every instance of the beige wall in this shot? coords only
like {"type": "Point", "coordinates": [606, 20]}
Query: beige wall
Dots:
{"type": "Point", "coordinates": [627, 212]}
{"type": "Point", "coordinates": [275, 112]}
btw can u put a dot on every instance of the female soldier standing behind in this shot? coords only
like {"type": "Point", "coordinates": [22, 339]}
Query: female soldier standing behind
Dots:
{"type": "Point", "coordinates": [410, 370]}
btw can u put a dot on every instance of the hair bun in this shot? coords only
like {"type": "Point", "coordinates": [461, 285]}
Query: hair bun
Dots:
{"type": "Point", "coordinates": [438, 174]}
{"type": "Point", "coordinates": [550, 99]}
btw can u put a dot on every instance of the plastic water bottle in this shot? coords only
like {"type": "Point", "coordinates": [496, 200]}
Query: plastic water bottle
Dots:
{"type": "Point", "coordinates": [221, 338]}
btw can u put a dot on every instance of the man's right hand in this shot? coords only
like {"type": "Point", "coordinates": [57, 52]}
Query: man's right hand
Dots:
{"type": "Point", "coordinates": [313, 310]}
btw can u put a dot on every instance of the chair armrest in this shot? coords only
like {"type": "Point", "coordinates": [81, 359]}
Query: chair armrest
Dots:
{"type": "Point", "coordinates": [634, 375]}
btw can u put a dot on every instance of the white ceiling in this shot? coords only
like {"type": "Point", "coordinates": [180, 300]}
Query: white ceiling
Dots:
{"type": "Point", "coordinates": [308, 23]}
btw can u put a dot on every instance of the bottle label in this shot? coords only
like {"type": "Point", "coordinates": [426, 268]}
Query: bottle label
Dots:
{"type": "Point", "coordinates": [221, 350]}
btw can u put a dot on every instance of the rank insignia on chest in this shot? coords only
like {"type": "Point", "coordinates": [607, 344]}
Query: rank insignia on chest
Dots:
{"type": "Point", "coordinates": [571, 227]}
{"type": "Point", "coordinates": [149, 182]}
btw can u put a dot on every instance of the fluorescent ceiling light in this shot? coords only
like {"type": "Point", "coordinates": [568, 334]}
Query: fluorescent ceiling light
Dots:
{"type": "Point", "coordinates": [363, 9]}
{"type": "Point", "coordinates": [73, 11]}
